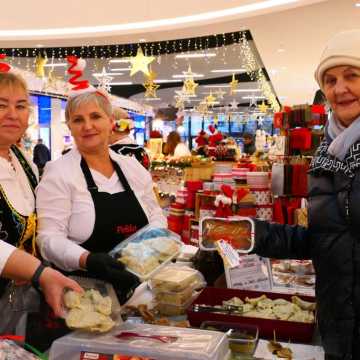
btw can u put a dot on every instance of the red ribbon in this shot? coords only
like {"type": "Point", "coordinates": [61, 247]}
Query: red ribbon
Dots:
{"type": "Point", "coordinates": [12, 337]}
{"type": "Point", "coordinates": [78, 84]}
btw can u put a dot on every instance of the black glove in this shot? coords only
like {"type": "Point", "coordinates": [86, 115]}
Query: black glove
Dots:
{"type": "Point", "coordinates": [103, 266]}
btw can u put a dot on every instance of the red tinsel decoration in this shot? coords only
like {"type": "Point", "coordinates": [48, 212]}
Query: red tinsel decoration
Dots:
{"type": "Point", "coordinates": [78, 84]}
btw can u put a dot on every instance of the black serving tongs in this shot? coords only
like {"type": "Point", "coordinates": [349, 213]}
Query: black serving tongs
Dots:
{"type": "Point", "coordinates": [227, 309]}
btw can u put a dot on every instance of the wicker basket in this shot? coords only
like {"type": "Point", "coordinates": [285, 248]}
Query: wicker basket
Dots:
{"type": "Point", "coordinates": [198, 172]}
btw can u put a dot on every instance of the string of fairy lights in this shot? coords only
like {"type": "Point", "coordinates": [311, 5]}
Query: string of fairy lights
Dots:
{"type": "Point", "coordinates": [241, 42]}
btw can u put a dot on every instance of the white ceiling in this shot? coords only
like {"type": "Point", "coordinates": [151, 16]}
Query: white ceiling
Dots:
{"type": "Point", "coordinates": [301, 29]}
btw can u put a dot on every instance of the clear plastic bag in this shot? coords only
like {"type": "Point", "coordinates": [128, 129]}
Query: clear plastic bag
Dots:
{"type": "Point", "coordinates": [11, 351]}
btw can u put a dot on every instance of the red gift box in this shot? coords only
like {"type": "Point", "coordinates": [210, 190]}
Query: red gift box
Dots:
{"type": "Point", "coordinates": [300, 139]}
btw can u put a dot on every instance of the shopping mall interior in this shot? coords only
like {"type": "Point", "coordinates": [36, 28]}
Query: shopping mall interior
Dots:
{"type": "Point", "coordinates": [233, 82]}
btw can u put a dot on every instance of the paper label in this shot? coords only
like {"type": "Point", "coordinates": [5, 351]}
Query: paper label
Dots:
{"type": "Point", "coordinates": [97, 356]}
{"type": "Point", "coordinates": [228, 253]}
{"type": "Point", "coordinates": [252, 273]}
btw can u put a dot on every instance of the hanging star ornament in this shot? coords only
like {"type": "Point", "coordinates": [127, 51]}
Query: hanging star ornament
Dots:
{"type": "Point", "coordinates": [233, 85]}
{"type": "Point", "coordinates": [188, 74]}
{"type": "Point", "coordinates": [179, 102]}
{"type": "Point", "coordinates": [220, 94]}
{"type": "Point", "coordinates": [104, 80]}
{"type": "Point", "coordinates": [260, 120]}
{"type": "Point", "coordinates": [52, 81]}
{"type": "Point", "coordinates": [210, 99]}
{"type": "Point", "coordinates": [233, 105]}
{"type": "Point", "coordinates": [150, 85]}
{"type": "Point", "coordinates": [39, 66]}
{"type": "Point", "coordinates": [202, 108]}
{"type": "Point", "coordinates": [263, 107]}
{"type": "Point", "coordinates": [140, 62]}
{"type": "Point", "coordinates": [189, 85]}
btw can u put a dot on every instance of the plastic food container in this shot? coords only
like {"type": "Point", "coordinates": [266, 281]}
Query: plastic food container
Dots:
{"type": "Point", "coordinates": [176, 278]}
{"type": "Point", "coordinates": [169, 309]}
{"type": "Point", "coordinates": [239, 233]}
{"type": "Point", "coordinates": [147, 251]}
{"type": "Point", "coordinates": [178, 298]}
{"type": "Point", "coordinates": [190, 344]}
{"type": "Point", "coordinates": [243, 338]}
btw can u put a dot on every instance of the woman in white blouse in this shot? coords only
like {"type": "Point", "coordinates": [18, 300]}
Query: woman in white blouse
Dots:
{"type": "Point", "coordinates": [174, 147]}
{"type": "Point", "coordinates": [18, 179]}
{"type": "Point", "coordinates": [92, 198]}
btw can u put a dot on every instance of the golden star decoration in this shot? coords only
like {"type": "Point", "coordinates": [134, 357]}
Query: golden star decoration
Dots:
{"type": "Point", "coordinates": [202, 108]}
{"type": "Point", "coordinates": [150, 85]}
{"type": "Point", "coordinates": [263, 107]}
{"type": "Point", "coordinates": [39, 66]}
{"type": "Point", "coordinates": [210, 99]}
{"type": "Point", "coordinates": [140, 62]}
{"type": "Point", "coordinates": [179, 102]}
{"type": "Point", "coordinates": [233, 85]}
{"type": "Point", "coordinates": [189, 87]}
{"type": "Point", "coordinates": [52, 81]}
{"type": "Point", "coordinates": [151, 88]}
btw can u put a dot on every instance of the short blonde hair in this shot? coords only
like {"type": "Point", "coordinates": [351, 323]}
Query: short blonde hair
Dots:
{"type": "Point", "coordinates": [12, 80]}
{"type": "Point", "coordinates": [88, 97]}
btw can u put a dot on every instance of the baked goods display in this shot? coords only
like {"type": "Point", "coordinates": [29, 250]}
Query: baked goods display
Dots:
{"type": "Point", "coordinates": [238, 233]}
{"type": "Point", "coordinates": [297, 310]}
{"type": "Point", "coordinates": [174, 288]}
{"type": "Point", "coordinates": [146, 250]}
{"type": "Point", "coordinates": [293, 273]}
{"type": "Point", "coordinates": [88, 311]}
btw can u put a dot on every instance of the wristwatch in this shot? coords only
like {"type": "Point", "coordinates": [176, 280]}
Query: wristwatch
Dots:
{"type": "Point", "coordinates": [35, 278]}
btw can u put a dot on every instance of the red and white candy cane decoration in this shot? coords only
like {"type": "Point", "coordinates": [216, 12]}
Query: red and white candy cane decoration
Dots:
{"type": "Point", "coordinates": [76, 69]}
{"type": "Point", "coordinates": [4, 67]}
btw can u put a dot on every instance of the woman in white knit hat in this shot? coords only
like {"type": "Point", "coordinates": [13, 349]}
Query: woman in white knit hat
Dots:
{"type": "Point", "coordinates": [332, 239]}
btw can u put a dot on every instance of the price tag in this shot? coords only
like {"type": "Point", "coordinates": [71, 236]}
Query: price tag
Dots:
{"type": "Point", "coordinates": [229, 255]}
{"type": "Point", "coordinates": [252, 273]}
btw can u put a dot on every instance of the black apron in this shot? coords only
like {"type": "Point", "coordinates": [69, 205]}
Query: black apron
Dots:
{"type": "Point", "coordinates": [117, 216]}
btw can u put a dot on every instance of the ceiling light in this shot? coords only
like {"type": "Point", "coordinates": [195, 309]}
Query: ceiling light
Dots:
{"type": "Point", "coordinates": [280, 50]}
{"type": "Point", "coordinates": [39, 45]}
{"type": "Point", "coordinates": [247, 90]}
{"type": "Point", "coordinates": [195, 55]}
{"type": "Point", "coordinates": [56, 65]}
{"type": "Point", "coordinates": [181, 76]}
{"type": "Point", "coordinates": [253, 97]}
{"type": "Point", "coordinates": [142, 40]}
{"type": "Point", "coordinates": [119, 60]}
{"type": "Point", "coordinates": [152, 99]}
{"type": "Point", "coordinates": [50, 32]}
{"type": "Point", "coordinates": [105, 73]}
{"type": "Point", "coordinates": [228, 70]}
{"type": "Point", "coordinates": [121, 83]}
{"type": "Point", "coordinates": [216, 86]}
{"type": "Point", "coordinates": [357, 5]}
{"type": "Point", "coordinates": [121, 69]}
{"type": "Point", "coordinates": [160, 81]}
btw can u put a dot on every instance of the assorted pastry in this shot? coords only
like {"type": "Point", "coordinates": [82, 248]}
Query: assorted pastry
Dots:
{"type": "Point", "coordinates": [293, 273]}
{"type": "Point", "coordinates": [297, 310]}
{"type": "Point", "coordinates": [89, 311]}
